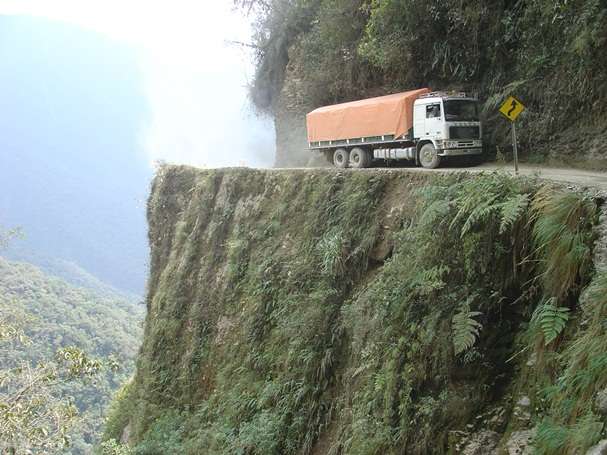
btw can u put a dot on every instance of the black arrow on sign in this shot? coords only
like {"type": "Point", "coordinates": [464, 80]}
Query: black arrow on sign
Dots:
{"type": "Point", "coordinates": [512, 108]}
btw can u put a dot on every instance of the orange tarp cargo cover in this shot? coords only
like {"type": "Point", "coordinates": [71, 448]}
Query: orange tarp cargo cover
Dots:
{"type": "Point", "coordinates": [385, 115]}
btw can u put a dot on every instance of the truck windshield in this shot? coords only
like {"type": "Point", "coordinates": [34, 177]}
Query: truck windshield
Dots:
{"type": "Point", "coordinates": [461, 110]}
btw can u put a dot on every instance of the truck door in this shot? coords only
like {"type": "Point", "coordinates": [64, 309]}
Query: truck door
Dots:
{"type": "Point", "coordinates": [434, 120]}
{"type": "Point", "coordinates": [419, 120]}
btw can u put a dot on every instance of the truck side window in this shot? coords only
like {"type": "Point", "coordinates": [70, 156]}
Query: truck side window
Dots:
{"type": "Point", "coordinates": [433, 110]}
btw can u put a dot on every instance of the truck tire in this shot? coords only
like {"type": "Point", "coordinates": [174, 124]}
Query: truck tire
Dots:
{"type": "Point", "coordinates": [341, 158]}
{"type": "Point", "coordinates": [359, 158]}
{"type": "Point", "coordinates": [428, 156]}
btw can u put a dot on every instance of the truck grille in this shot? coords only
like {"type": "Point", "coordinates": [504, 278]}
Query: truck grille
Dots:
{"type": "Point", "coordinates": [464, 132]}
{"type": "Point", "coordinates": [465, 143]}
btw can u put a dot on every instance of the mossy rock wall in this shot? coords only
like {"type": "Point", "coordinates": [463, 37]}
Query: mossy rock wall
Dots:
{"type": "Point", "coordinates": [375, 312]}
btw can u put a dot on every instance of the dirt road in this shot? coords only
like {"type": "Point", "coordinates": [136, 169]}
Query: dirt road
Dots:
{"type": "Point", "coordinates": [577, 177]}
{"type": "Point", "coordinates": [574, 176]}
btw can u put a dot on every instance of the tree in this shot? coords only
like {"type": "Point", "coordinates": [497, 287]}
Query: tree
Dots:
{"type": "Point", "coordinates": [33, 412]}
{"type": "Point", "coordinates": [7, 234]}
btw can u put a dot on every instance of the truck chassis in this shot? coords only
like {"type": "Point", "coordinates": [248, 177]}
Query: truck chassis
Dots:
{"type": "Point", "coordinates": [361, 152]}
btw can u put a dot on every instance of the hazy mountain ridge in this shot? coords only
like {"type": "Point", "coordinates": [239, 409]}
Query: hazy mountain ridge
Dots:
{"type": "Point", "coordinates": [69, 272]}
{"type": "Point", "coordinates": [73, 174]}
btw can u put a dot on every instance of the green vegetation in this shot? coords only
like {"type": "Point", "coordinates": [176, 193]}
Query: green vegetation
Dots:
{"type": "Point", "coordinates": [64, 351]}
{"type": "Point", "coordinates": [466, 329]}
{"type": "Point", "coordinates": [364, 313]}
{"type": "Point", "coordinates": [7, 234]}
{"type": "Point", "coordinates": [551, 320]}
{"type": "Point", "coordinates": [35, 415]}
{"type": "Point", "coordinates": [317, 52]}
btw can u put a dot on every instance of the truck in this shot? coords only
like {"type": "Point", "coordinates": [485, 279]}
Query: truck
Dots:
{"type": "Point", "coordinates": [422, 126]}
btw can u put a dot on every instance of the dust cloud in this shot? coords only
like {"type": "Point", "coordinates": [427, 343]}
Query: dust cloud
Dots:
{"type": "Point", "coordinates": [195, 82]}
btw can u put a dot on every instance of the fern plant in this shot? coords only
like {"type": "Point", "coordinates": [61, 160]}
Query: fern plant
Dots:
{"type": "Point", "coordinates": [512, 210]}
{"type": "Point", "coordinates": [465, 328]}
{"type": "Point", "coordinates": [563, 237]}
{"type": "Point", "coordinates": [495, 199]}
{"type": "Point", "coordinates": [550, 319]}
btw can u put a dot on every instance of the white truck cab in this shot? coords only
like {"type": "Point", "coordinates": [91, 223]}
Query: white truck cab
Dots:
{"type": "Point", "coordinates": [446, 125]}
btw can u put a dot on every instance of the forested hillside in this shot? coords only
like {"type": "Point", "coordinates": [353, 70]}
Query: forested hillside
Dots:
{"type": "Point", "coordinates": [551, 54]}
{"type": "Point", "coordinates": [54, 315]}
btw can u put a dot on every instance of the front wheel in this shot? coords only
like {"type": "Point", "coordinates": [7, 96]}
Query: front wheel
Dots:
{"type": "Point", "coordinates": [341, 158]}
{"type": "Point", "coordinates": [428, 157]}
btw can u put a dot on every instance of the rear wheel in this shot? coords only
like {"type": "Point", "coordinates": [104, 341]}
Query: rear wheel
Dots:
{"type": "Point", "coordinates": [428, 156]}
{"type": "Point", "coordinates": [341, 158]}
{"type": "Point", "coordinates": [359, 158]}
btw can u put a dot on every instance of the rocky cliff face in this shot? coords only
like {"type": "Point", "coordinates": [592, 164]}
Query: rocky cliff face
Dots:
{"type": "Point", "coordinates": [289, 113]}
{"type": "Point", "coordinates": [397, 312]}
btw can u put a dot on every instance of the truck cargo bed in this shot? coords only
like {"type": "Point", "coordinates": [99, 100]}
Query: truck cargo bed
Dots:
{"type": "Point", "coordinates": [372, 120]}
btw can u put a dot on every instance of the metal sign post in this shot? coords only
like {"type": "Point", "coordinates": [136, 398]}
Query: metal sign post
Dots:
{"type": "Point", "coordinates": [514, 148]}
{"type": "Point", "coordinates": [511, 109]}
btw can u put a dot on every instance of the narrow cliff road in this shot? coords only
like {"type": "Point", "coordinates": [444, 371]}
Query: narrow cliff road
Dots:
{"type": "Point", "coordinates": [575, 176]}
{"type": "Point", "coordinates": [578, 177]}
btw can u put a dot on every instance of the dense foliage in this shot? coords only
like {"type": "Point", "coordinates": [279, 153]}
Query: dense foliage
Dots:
{"type": "Point", "coordinates": [36, 416]}
{"type": "Point", "coordinates": [322, 312]}
{"type": "Point", "coordinates": [54, 332]}
{"type": "Point", "coordinates": [551, 54]}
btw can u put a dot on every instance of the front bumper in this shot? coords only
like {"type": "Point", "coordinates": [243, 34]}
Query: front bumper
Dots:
{"type": "Point", "coordinates": [461, 151]}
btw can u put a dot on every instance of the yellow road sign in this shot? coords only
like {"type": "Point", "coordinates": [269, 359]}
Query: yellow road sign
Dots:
{"type": "Point", "coordinates": [512, 108]}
